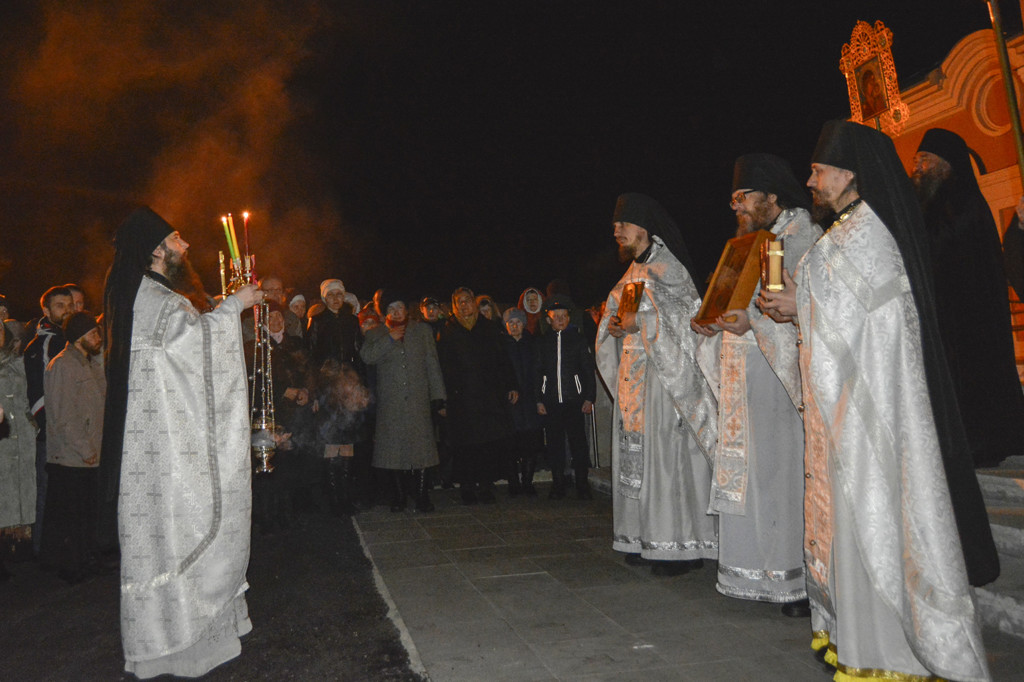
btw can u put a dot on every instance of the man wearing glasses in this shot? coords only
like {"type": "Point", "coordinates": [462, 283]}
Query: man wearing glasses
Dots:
{"type": "Point", "coordinates": [757, 488]}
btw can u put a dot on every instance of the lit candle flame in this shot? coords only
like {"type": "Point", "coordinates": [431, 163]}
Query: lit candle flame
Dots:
{"type": "Point", "coordinates": [245, 226]}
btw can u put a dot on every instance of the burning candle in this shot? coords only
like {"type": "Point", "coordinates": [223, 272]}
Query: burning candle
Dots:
{"type": "Point", "coordinates": [234, 238]}
{"type": "Point", "coordinates": [227, 235]}
{"type": "Point", "coordinates": [245, 229]}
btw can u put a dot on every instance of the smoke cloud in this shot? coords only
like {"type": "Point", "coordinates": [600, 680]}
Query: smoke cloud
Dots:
{"type": "Point", "coordinates": [184, 107]}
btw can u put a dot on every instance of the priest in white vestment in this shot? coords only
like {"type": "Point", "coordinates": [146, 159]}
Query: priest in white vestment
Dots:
{"type": "Point", "coordinates": [184, 467]}
{"type": "Point", "coordinates": [665, 422]}
{"type": "Point", "coordinates": [758, 481]}
{"type": "Point", "coordinates": [889, 492]}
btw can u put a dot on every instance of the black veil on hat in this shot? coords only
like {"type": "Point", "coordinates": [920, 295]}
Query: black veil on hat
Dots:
{"type": "Point", "coordinates": [134, 242]}
{"type": "Point", "coordinates": [647, 213]}
{"type": "Point", "coordinates": [884, 185]}
{"type": "Point", "coordinates": [770, 174]}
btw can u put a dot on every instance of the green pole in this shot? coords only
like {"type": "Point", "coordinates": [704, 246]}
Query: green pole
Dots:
{"type": "Point", "coordinates": [1011, 91]}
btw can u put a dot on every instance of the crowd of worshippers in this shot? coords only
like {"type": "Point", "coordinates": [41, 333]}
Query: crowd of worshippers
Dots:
{"type": "Point", "coordinates": [819, 443]}
{"type": "Point", "coordinates": [376, 402]}
{"type": "Point", "coordinates": [386, 399]}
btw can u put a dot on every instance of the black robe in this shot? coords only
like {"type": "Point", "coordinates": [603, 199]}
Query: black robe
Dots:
{"type": "Point", "coordinates": [477, 377]}
{"type": "Point", "coordinates": [972, 302]}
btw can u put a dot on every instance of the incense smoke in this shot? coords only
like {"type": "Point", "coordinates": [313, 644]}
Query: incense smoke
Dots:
{"type": "Point", "coordinates": [184, 107]}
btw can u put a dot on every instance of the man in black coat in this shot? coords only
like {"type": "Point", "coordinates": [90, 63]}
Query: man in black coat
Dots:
{"type": "Point", "coordinates": [480, 383]}
{"type": "Point", "coordinates": [566, 392]}
{"type": "Point", "coordinates": [970, 288]}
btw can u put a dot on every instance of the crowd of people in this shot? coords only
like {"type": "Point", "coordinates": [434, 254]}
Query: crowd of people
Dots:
{"type": "Point", "coordinates": [818, 443]}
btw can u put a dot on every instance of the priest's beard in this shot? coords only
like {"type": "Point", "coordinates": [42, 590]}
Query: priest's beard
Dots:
{"type": "Point", "coordinates": [821, 212]}
{"type": "Point", "coordinates": [629, 252]}
{"type": "Point", "coordinates": [758, 218]}
{"type": "Point", "coordinates": [928, 183]}
{"type": "Point", "coordinates": [185, 280]}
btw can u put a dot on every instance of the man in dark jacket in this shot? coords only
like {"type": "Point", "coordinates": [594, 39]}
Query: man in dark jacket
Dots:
{"type": "Point", "coordinates": [566, 392]}
{"type": "Point", "coordinates": [974, 315]}
{"type": "Point", "coordinates": [480, 384]}
{"type": "Point", "coordinates": [57, 305]}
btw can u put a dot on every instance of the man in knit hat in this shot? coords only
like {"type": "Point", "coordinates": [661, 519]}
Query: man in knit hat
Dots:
{"type": "Point", "coordinates": [566, 391]}
{"type": "Point", "coordinates": [667, 423]}
{"type": "Point", "coordinates": [894, 521]}
{"type": "Point", "coordinates": [975, 313]}
{"type": "Point", "coordinates": [176, 456]}
{"type": "Point", "coordinates": [75, 391]}
{"type": "Point", "coordinates": [758, 484]}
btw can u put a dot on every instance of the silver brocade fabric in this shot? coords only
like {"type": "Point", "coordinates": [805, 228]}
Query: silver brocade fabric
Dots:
{"type": "Point", "coordinates": [778, 341]}
{"type": "Point", "coordinates": [185, 497]}
{"type": "Point", "coordinates": [871, 439]}
{"type": "Point", "coordinates": [723, 359]}
{"type": "Point", "coordinates": [665, 344]}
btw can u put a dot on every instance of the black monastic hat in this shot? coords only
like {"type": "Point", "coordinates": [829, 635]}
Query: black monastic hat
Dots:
{"type": "Point", "coordinates": [647, 213]}
{"type": "Point", "coordinates": [770, 174]}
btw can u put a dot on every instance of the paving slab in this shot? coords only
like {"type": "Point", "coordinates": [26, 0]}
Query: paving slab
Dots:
{"type": "Point", "coordinates": [530, 589]}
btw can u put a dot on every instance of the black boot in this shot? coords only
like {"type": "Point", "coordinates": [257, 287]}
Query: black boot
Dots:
{"type": "Point", "coordinates": [528, 464]}
{"type": "Point", "coordinates": [423, 502]}
{"type": "Point", "coordinates": [557, 485]}
{"type": "Point", "coordinates": [514, 487]}
{"type": "Point", "coordinates": [397, 491]}
{"type": "Point", "coordinates": [330, 486]}
{"type": "Point", "coordinates": [582, 484]}
{"type": "Point", "coordinates": [341, 470]}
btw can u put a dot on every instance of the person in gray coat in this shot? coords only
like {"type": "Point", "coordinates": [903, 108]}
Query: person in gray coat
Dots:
{"type": "Point", "coordinates": [409, 389]}
{"type": "Point", "coordinates": [17, 453]}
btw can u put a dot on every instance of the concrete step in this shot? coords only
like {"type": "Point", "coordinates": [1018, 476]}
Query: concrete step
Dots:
{"type": "Point", "coordinates": [1001, 604]}
{"type": "Point", "coordinates": [1002, 487]}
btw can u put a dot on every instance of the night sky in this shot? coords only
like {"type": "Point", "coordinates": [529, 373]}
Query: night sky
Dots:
{"type": "Point", "coordinates": [418, 145]}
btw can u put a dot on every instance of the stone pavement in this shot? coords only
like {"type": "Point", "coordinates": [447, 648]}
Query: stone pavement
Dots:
{"type": "Point", "coordinates": [530, 589]}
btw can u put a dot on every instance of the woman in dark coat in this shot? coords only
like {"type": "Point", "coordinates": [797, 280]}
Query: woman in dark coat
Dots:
{"type": "Point", "coordinates": [528, 440]}
{"type": "Point", "coordinates": [480, 383]}
{"type": "Point", "coordinates": [409, 388]}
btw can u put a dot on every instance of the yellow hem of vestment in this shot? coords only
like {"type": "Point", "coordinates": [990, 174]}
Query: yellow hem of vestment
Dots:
{"type": "Point", "coordinates": [846, 673]}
